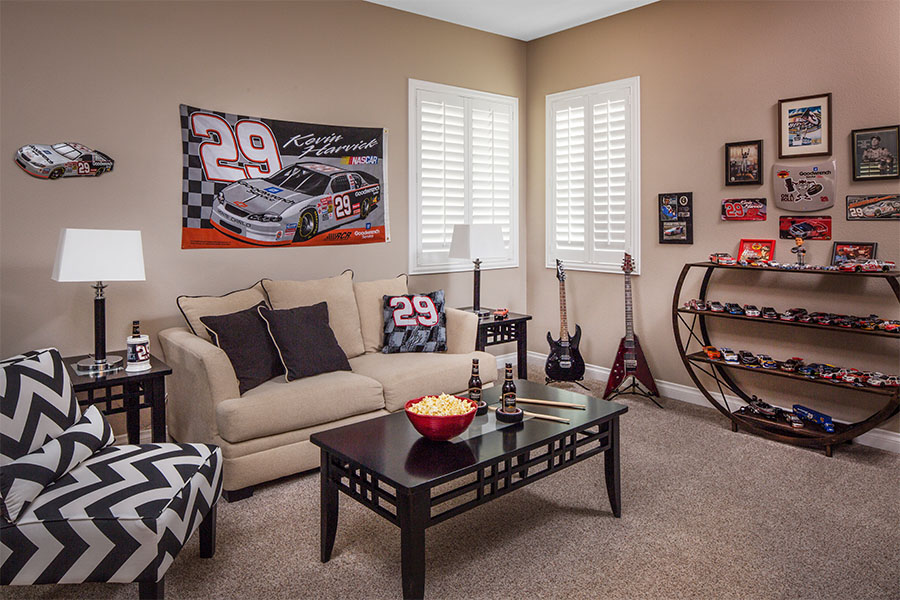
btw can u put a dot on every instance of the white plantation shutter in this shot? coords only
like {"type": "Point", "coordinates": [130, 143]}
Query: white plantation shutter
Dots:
{"type": "Point", "coordinates": [593, 176]}
{"type": "Point", "coordinates": [463, 169]}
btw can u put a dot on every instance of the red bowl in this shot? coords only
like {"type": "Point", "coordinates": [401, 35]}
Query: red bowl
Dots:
{"type": "Point", "coordinates": [440, 428]}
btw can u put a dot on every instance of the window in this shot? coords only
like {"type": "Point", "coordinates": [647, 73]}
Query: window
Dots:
{"type": "Point", "coordinates": [341, 183]}
{"type": "Point", "coordinates": [594, 176]}
{"type": "Point", "coordinates": [463, 166]}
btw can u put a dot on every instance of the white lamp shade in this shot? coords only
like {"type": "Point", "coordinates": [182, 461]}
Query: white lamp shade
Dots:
{"type": "Point", "coordinates": [99, 255]}
{"type": "Point", "coordinates": [477, 241]}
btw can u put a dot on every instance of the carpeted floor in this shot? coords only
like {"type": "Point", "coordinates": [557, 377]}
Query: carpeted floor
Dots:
{"type": "Point", "coordinates": [707, 513]}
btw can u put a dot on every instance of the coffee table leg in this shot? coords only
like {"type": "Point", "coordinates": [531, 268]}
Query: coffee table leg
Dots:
{"type": "Point", "coordinates": [413, 511]}
{"type": "Point", "coordinates": [329, 507]}
{"type": "Point", "coordinates": [613, 483]}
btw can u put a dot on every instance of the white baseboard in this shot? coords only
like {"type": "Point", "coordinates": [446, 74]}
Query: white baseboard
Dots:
{"type": "Point", "coordinates": [876, 438]}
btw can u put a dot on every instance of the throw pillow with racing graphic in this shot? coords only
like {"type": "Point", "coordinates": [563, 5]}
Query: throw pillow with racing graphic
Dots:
{"type": "Point", "coordinates": [415, 323]}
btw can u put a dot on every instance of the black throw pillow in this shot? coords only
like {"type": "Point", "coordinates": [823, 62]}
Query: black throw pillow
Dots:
{"type": "Point", "coordinates": [245, 339]}
{"type": "Point", "coordinates": [305, 342]}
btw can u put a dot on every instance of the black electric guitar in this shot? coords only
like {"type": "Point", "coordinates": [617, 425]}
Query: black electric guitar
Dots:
{"type": "Point", "coordinates": [630, 361]}
{"type": "Point", "coordinates": [564, 362]}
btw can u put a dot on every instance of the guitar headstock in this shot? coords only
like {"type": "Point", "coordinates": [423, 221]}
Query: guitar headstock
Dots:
{"type": "Point", "coordinates": [560, 270]}
{"type": "Point", "coordinates": [627, 264]}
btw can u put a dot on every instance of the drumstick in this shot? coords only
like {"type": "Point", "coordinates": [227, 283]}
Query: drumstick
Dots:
{"type": "Point", "coordinates": [539, 416]}
{"type": "Point", "coordinates": [551, 403]}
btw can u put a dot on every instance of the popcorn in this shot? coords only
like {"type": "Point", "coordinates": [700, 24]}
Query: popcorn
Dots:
{"type": "Point", "coordinates": [444, 405]}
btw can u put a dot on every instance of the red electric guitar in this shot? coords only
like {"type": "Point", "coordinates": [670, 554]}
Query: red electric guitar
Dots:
{"type": "Point", "coordinates": [630, 359]}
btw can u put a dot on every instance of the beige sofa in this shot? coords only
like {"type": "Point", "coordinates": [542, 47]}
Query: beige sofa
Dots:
{"type": "Point", "coordinates": [264, 434]}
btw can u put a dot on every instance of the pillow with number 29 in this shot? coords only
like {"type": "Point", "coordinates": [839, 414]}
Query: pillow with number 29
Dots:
{"type": "Point", "coordinates": [415, 323]}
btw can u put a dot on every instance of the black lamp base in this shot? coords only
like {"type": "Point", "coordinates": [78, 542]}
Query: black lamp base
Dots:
{"type": "Point", "coordinates": [90, 366]}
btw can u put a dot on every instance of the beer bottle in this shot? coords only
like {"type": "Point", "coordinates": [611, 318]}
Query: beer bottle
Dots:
{"type": "Point", "coordinates": [475, 382]}
{"type": "Point", "coordinates": [509, 391]}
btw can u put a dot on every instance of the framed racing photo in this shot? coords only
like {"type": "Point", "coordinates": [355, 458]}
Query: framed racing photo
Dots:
{"type": "Point", "coordinates": [841, 252]}
{"type": "Point", "coordinates": [751, 250]}
{"type": "Point", "coordinates": [804, 126]}
{"type": "Point", "coordinates": [743, 163]}
{"type": "Point", "coordinates": [875, 153]}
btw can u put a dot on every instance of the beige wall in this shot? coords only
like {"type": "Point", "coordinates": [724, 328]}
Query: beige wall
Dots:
{"type": "Point", "coordinates": [712, 72]}
{"type": "Point", "coordinates": [112, 74]}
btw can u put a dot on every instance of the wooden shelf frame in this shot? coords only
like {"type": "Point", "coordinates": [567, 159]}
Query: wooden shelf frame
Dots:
{"type": "Point", "coordinates": [697, 362]}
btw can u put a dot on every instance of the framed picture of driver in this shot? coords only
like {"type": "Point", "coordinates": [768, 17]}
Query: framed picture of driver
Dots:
{"type": "Point", "coordinates": [875, 153]}
{"type": "Point", "coordinates": [804, 126]}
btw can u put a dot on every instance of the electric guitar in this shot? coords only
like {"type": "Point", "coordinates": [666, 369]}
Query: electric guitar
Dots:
{"type": "Point", "coordinates": [564, 362]}
{"type": "Point", "coordinates": [630, 359]}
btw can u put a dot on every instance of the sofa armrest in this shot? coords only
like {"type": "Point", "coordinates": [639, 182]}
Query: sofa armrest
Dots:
{"type": "Point", "coordinates": [462, 331]}
{"type": "Point", "coordinates": [202, 376]}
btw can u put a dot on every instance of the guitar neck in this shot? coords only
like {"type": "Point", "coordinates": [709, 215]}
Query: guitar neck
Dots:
{"type": "Point", "coordinates": [629, 318]}
{"type": "Point", "coordinates": [563, 321]}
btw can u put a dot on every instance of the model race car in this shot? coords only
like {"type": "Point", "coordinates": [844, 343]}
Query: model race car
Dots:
{"type": "Point", "coordinates": [734, 309]}
{"type": "Point", "coordinates": [716, 307]}
{"type": "Point", "coordinates": [712, 352]}
{"type": "Point", "coordinates": [295, 204]}
{"type": "Point", "coordinates": [750, 310]}
{"type": "Point", "coordinates": [792, 314]}
{"type": "Point", "coordinates": [722, 258]}
{"type": "Point", "coordinates": [766, 361]}
{"type": "Point", "coordinates": [729, 355]}
{"type": "Point", "coordinates": [769, 313]}
{"type": "Point", "coordinates": [748, 359]}
{"type": "Point", "coordinates": [696, 305]}
{"type": "Point", "coordinates": [870, 265]}
{"type": "Point", "coordinates": [66, 159]}
{"type": "Point", "coordinates": [815, 416]}
{"type": "Point", "coordinates": [791, 364]}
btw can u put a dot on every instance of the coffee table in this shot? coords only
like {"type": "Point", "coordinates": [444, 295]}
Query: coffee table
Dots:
{"type": "Point", "coordinates": [384, 464]}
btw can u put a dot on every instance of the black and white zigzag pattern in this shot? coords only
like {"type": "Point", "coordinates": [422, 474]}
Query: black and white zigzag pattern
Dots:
{"type": "Point", "coordinates": [120, 516]}
{"type": "Point", "coordinates": [22, 480]}
{"type": "Point", "coordinates": [36, 402]}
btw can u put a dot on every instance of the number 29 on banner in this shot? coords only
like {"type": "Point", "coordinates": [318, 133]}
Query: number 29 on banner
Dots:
{"type": "Point", "coordinates": [222, 146]}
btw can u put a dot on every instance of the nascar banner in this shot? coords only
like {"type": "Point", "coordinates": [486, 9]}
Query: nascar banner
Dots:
{"type": "Point", "coordinates": [252, 182]}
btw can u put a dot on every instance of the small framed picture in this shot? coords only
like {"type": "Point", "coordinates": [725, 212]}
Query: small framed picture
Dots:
{"type": "Point", "coordinates": [743, 163]}
{"type": "Point", "coordinates": [841, 252]}
{"type": "Point", "coordinates": [751, 250]}
{"type": "Point", "coordinates": [804, 126]}
{"type": "Point", "coordinates": [875, 153]}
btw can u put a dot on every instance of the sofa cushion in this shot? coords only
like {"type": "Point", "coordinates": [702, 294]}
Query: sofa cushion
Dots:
{"type": "Point", "coordinates": [22, 480]}
{"type": "Point", "coordinates": [123, 513]}
{"type": "Point", "coordinates": [244, 337]}
{"type": "Point", "coordinates": [370, 300]}
{"type": "Point", "coordinates": [36, 402]}
{"type": "Point", "coordinates": [276, 406]}
{"type": "Point", "coordinates": [415, 323]}
{"type": "Point", "coordinates": [408, 376]}
{"type": "Point", "coordinates": [194, 307]}
{"type": "Point", "coordinates": [337, 292]}
{"type": "Point", "coordinates": [306, 344]}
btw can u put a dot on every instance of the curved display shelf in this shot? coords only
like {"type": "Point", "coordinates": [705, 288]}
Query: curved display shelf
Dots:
{"type": "Point", "coordinates": [810, 435]}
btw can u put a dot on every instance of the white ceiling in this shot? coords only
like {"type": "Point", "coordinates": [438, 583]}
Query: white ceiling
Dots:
{"type": "Point", "coordinates": [520, 19]}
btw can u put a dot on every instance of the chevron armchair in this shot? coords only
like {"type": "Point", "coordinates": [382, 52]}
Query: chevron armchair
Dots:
{"type": "Point", "coordinates": [76, 509]}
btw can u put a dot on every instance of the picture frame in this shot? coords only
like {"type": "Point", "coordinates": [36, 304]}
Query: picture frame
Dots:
{"type": "Point", "coordinates": [751, 250]}
{"type": "Point", "coordinates": [743, 163]}
{"type": "Point", "coordinates": [876, 153]}
{"type": "Point", "coordinates": [844, 251]}
{"type": "Point", "coordinates": [804, 126]}
{"type": "Point", "coordinates": [676, 218]}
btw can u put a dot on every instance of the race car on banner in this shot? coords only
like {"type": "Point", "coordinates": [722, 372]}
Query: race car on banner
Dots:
{"type": "Point", "coordinates": [260, 182]}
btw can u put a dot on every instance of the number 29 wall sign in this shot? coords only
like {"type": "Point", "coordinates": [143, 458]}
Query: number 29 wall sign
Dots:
{"type": "Point", "coordinates": [253, 182]}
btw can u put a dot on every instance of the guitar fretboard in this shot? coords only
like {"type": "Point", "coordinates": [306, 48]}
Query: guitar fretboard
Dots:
{"type": "Point", "coordinates": [563, 322]}
{"type": "Point", "coordinates": [629, 319]}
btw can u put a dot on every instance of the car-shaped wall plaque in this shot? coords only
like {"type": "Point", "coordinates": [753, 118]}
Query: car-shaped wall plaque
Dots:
{"type": "Point", "coordinates": [66, 159]}
{"type": "Point", "coordinates": [295, 204]}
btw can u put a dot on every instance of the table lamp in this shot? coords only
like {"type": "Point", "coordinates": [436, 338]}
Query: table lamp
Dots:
{"type": "Point", "coordinates": [476, 242]}
{"type": "Point", "coordinates": [99, 255]}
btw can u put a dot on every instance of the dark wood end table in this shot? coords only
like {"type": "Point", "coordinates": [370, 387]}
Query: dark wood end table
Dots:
{"type": "Point", "coordinates": [514, 328]}
{"type": "Point", "coordinates": [385, 465]}
{"type": "Point", "coordinates": [151, 384]}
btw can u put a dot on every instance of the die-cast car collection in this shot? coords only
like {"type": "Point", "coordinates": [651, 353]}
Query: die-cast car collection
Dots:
{"type": "Point", "coordinates": [295, 204]}
{"type": "Point", "coordinates": [796, 315]}
{"type": "Point", "coordinates": [857, 265]}
{"type": "Point", "coordinates": [797, 417]}
{"type": "Point", "coordinates": [66, 159]}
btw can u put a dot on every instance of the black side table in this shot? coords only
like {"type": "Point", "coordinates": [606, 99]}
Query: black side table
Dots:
{"type": "Point", "coordinates": [151, 384]}
{"type": "Point", "coordinates": [514, 328]}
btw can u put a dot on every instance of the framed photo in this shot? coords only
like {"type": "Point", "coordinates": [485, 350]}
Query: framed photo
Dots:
{"type": "Point", "coordinates": [751, 250]}
{"type": "Point", "coordinates": [743, 163]}
{"type": "Point", "coordinates": [844, 251]}
{"type": "Point", "coordinates": [804, 126]}
{"type": "Point", "coordinates": [676, 218]}
{"type": "Point", "coordinates": [875, 153]}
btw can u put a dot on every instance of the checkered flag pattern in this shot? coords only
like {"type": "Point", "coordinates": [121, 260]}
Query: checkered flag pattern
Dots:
{"type": "Point", "coordinates": [41, 377]}
{"type": "Point", "coordinates": [419, 337]}
{"type": "Point", "coordinates": [197, 194]}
